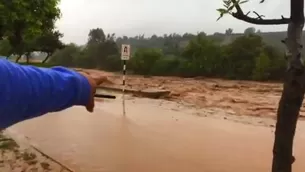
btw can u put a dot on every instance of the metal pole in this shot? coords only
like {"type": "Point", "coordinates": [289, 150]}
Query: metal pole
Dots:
{"type": "Point", "coordinates": [124, 77]}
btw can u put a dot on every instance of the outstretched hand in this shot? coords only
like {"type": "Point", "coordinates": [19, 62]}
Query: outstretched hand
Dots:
{"type": "Point", "coordinates": [94, 81]}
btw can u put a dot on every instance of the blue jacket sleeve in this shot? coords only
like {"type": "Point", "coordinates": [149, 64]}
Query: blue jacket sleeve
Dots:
{"type": "Point", "coordinates": [27, 91]}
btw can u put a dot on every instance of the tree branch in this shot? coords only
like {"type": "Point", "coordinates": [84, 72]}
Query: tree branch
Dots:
{"type": "Point", "coordinates": [259, 21]}
{"type": "Point", "coordinates": [258, 16]}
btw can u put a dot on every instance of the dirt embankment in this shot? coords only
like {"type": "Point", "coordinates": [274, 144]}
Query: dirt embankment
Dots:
{"type": "Point", "coordinates": [238, 97]}
{"type": "Point", "coordinates": [20, 157]}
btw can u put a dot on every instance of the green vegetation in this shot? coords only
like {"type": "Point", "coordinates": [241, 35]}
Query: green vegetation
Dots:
{"type": "Point", "coordinates": [234, 56]}
{"type": "Point", "coordinates": [37, 64]}
{"type": "Point", "coordinates": [7, 143]}
{"type": "Point", "coordinates": [28, 26]}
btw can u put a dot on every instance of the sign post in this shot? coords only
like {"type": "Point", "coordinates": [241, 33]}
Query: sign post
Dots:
{"type": "Point", "coordinates": [125, 55]}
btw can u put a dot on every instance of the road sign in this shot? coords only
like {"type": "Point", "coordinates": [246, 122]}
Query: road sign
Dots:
{"type": "Point", "coordinates": [125, 52]}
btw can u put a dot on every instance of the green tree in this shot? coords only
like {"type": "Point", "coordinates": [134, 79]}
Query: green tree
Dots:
{"type": "Point", "coordinates": [66, 56]}
{"type": "Point", "coordinates": [5, 48]}
{"type": "Point", "coordinates": [261, 69]}
{"type": "Point", "coordinates": [48, 42]}
{"type": "Point", "coordinates": [204, 54]}
{"type": "Point", "coordinates": [277, 65]}
{"type": "Point", "coordinates": [229, 31]}
{"type": "Point", "coordinates": [240, 56]}
{"type": "Point", "coordinates": [96, 36]}
{"type": "Point", "coordinates": [22, 20]}
{"type": "Point", "coordinates": [218, 37]}
{"type": "Point", "coordinates": [166, 66]}
{"type": "Point", "coordinates": [100, 48]}
{"type": "Point", "coordinates": [249, 30]}
{"type": "Point", "coordinates": [113, 63]}
{"type": "Point", "coordinates": [144, 60]}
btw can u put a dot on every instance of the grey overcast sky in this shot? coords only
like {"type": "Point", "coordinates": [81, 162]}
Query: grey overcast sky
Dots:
{"type": "Point", "coordinates": [132, 17]}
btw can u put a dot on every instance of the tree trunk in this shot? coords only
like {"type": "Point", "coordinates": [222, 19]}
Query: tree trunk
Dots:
{"type": "Point", "coordinates": [293, 92]}
{"type": "Point", "coordinates": [47, 58]}
{"type": "Point", "coordinates": [18, 58]}
{"type": "Point", "coordinates": [27, 55]}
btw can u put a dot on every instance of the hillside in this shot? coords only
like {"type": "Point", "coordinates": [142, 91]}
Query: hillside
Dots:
{"type": "Point", "coordinates": [271, 38]}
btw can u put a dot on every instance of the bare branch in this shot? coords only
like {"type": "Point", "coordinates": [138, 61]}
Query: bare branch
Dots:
{"type": "Point", "coordinates": [259, 21]}
{"type": "Point", "coordinates": [258, 16]}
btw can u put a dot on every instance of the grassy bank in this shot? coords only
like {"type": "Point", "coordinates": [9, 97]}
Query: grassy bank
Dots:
{"type": "Point", "coordinates": [47, 65]}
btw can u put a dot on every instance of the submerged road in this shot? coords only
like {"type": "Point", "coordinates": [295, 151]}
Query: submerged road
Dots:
{"type": "Point", "coordinates": [153, 137]}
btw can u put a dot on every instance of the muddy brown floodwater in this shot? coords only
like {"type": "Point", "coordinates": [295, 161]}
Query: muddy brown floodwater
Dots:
{"type": "Point", "coordinates": [153, 137]}
{"type": "Point", "coordinates": [242, 98]}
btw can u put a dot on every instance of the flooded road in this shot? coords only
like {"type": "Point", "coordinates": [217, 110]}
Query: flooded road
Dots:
{"type": "Point", "coordinates": [153, 137]}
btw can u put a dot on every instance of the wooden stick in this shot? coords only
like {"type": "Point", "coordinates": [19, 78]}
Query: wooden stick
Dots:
{"type": "Point", "coordinates": [105, 96]}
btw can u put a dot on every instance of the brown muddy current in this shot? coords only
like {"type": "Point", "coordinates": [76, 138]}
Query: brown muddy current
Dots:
{"type": "Point", "coordinates": [154, 136]}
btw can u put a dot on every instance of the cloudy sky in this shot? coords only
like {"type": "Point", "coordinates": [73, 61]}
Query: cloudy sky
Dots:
{"type": "Point", "coordinates": [132, 17]}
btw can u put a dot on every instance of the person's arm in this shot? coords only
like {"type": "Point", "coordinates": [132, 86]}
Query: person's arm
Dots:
{"type": "Point", "coordinates": [27, 91]}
